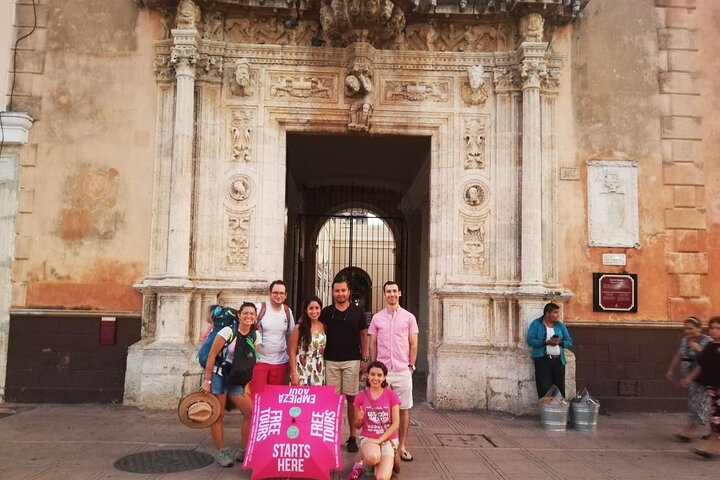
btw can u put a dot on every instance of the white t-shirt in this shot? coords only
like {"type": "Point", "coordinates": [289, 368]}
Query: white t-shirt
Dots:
{"type": "Point", "coordinates": [275, 328]}
{"type": "Point", "coordinates": [551, 349]}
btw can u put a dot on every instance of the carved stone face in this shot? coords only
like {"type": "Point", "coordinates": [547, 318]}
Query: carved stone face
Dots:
{"type": "Point", "coordinates": [242, 74]}
{"type": "Point", "coordinates": [475, 76]}
{"type": "Point", "coordinates": [353, 84]}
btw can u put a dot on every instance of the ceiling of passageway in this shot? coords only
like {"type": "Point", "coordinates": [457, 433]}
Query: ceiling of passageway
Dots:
{"type": "Point", "coordinates": [314, 160]}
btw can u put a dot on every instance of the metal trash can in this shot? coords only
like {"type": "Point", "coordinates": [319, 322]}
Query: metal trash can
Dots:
{"type": "Point", "coordinates": [585, 416]}
{"type": "Point", "coordinates": [554, 416]}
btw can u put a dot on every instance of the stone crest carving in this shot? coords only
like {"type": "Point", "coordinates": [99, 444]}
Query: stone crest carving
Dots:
{"type": "Point", "coordinates": [238, 244]}
{"type": "Point", "coordinates": [240, 188]}
{"type": "Point", "coordinates": [359, 88]}
{"type": "Point", "coordinates": [241, 136]}
{"type": "Point", "coordinates": [347, 21]}
{"type": "Point", "coordinates": [474, 91]}
{"type": "Point", "coordinates": [242, 84]}
{"type": "Point", "coordinates": [531, 27]}
{"type": "Point", "coordinates": [417, 91]}
{"type": "Point", "coordinates": [188, 15]}
{"type": "Point", "coordinates": [474, 245]}
{"type": "Point", "coordinates": [475, 194]}
{"type": "Point", "coordinates": [474, 143]}
{"type": "Point", "coordinates": [302, 86]}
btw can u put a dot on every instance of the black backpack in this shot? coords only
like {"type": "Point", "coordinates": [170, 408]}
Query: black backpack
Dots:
{"type": "Point", "coordinates": [240, 372]}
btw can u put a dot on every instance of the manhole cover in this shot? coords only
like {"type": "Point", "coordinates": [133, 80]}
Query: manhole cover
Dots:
{"type": "Point", "coordinates": [164, 461]}
{"type": "Point", "coordinates": [470, 440]}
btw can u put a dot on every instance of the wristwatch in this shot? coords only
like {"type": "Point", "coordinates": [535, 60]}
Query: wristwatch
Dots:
{"type": "Point", "coordinates": [412, 367]}
{"type": "Point", "coordinates": [365, 359]}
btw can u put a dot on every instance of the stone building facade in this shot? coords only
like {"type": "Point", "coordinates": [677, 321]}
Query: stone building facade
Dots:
{"type": "Point", "coordinates": [169, 148]}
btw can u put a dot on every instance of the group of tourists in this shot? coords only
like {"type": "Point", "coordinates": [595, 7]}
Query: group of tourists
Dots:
{"type": "Point", "coordinates": [334, 346]}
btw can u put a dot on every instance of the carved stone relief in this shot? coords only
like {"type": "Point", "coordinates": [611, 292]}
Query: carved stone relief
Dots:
{"type": "Point", "coordinates": [241, 135]}
{"type": "Point", "coordinates": [359, 89]}
{"type": "Point", "coordinates": [506, 79]}
{"type": "Point", "coordinates": [449, 37]}
{"type": "Point", "coordinates": [533, 72]}
{"type": "Point", "coordinates": [474, 245]}
{"type": "Point", "coordinates": [243, 81]}
{"type": "Point", "coordinates": [475, 194]}
{"type": "Point", "coordinates": [474, 91]}
{"type": "Point", "coordinates": [474, 142]}
{"type": "Point", "coordinates": [213, 26]}
{"type": "Point", "coordinates": [266, 30]}
{"type": "Point", "coordinates": [418, 91]}
{"type": "Point", "coordinates": [319, 86]}
{"type": "Point", "coordinates": [238, 243]}
{"type": "Point", "coordinates": [612, 204]}
{"type": "Point", "coordinates": [348, 21]}
{"type": "Point", "coordinates": [188, 15]}
{"type": "Point", "coordinates": [531, 27]}
{"type": "Point", "coordinates": [240, 188]}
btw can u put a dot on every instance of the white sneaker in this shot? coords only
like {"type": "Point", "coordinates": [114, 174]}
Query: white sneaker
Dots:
{"type": "Point", "coordinates": [223, 458]}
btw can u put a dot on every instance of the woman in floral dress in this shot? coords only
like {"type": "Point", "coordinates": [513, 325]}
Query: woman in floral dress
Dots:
{"type": "Point", "coordinates": [307, 346]}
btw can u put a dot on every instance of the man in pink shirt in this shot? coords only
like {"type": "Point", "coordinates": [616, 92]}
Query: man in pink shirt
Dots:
{"type": "Point", "coordinates": [393, 335]}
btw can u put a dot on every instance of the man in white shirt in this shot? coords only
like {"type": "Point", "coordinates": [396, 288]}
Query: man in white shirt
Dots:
{"type": "Point", "coordinates": [276, 322]}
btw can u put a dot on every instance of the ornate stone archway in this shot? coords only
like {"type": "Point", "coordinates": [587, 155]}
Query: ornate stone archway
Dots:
{"type": "Point", "coordinates": [232, 81]}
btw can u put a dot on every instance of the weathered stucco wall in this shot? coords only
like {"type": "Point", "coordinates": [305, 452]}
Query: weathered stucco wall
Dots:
{"type": "Point", "coordinates": [635, 97]}
{"type": "Point", "coordinates": [83, 230]}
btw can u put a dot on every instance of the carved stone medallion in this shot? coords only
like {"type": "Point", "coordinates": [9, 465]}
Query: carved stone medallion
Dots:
{"type": "Point", "coordinates": [240, 188]}
{"type": "Point", "coordinates": [475, 194]}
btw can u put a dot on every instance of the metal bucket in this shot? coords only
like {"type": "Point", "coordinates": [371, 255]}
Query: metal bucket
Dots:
{"type": "Point", "coordinates": [554, 416]}
{"type": "Point", "coordinates": [585, 416]}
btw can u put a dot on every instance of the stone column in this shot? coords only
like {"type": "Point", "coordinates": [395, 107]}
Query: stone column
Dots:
{"type": "Point", "coordinates": [532, 70]}
{"type": "Point", "coordinates": [15, 127]}
{"type": "Point", "coordinates": [183, 58]}
{"type": "Point", "coordinates": [162, 367]}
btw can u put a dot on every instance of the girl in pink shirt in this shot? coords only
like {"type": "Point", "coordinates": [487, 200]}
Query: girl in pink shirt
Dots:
{"type": "Point", "coordinates": [377, 414]}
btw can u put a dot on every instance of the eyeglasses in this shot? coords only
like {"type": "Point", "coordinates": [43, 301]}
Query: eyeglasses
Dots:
{"type": "Point", "coordinates": [278, 293]}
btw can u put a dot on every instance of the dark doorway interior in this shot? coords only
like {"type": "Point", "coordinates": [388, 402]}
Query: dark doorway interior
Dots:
{"type": "Point", "coordinates": [366, 191]}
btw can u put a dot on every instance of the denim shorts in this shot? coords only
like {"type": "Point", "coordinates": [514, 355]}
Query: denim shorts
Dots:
{"type": "Point", "coordinates": [218, 387]}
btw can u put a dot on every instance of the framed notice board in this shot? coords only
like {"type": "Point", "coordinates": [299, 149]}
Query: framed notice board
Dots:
{"type": "Point", "coordinates": [615, 292]}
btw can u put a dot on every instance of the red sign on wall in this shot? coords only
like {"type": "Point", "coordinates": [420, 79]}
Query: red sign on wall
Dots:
{"type": "Point", "coordinates": [613, 292]}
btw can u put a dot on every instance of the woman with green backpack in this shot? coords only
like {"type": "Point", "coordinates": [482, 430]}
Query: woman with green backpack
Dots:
{"type": "Point", "coordinates": [215, 382]}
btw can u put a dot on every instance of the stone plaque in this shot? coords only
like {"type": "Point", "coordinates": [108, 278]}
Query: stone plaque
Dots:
{"type": "Point", "coordinates": [612, 204]}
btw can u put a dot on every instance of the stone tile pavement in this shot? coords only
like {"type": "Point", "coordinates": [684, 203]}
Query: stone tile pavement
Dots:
{"type": "Point", "coordinates": [83, 441]}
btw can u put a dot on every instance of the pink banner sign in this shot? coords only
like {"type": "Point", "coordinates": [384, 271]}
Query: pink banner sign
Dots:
{"type": "Point", "coordinates": [295, 433]}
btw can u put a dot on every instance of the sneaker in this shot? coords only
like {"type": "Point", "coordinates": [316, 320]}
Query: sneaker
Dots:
{"type": "Point", "coordinates": [240, 455]}
{"type": "Point", "coordinates": [352, 445]}
{"type": "Point", "coordinates": [223, 458]}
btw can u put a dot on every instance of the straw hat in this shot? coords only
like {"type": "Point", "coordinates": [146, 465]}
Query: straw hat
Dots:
{"type": "Point", "coordinates": [199, 410]}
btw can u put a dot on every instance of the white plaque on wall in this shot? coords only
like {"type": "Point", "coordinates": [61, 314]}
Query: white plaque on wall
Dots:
{"type": "Point", "coordinates": [612, 203]}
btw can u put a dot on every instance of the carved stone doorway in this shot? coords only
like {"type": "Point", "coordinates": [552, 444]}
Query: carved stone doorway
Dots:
{"type": "Point", "coordinates": [353, 212]}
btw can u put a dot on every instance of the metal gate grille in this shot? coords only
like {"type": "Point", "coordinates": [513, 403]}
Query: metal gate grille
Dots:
{"type": "Point", "coordinates": [355, 241]}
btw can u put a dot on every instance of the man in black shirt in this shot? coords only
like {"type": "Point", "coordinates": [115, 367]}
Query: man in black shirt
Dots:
{"type": "Point", "coordinates": [346, 351]}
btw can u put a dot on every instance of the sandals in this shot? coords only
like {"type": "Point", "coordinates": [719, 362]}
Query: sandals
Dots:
{"type": "Point", "coordinates": [405, 456]}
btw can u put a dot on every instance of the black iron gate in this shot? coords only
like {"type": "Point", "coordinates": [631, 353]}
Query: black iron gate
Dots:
{"type": "Point", "coordinates": [357, 242]}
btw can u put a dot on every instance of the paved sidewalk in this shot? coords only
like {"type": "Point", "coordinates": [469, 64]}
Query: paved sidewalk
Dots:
{"type": "Point", "coordinates": [83, 442]}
